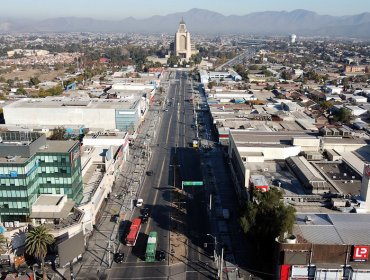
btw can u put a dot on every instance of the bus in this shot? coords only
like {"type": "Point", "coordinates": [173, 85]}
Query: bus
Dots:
{"type": "Point", "coordinates": [134, 232]}
{"type": "Point", "coordinates": [151, 247]}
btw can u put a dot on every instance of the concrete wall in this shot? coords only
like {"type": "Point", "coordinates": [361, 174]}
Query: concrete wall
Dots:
{"type": "Point", "coordinates": [307, 144]}
{"type": "Point", "coordinates": [273, 153]}
{"type": "Point", "coordinates": [340, 147]}
{"type": "Point", "coordinates": [133, 87]}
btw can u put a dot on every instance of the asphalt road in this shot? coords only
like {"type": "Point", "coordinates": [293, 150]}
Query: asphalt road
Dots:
{"type": "Point", "coordinates": [175, 131]}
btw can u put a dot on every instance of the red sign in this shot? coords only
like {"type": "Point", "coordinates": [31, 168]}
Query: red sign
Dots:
{"type": "Point", "coordinates": [367, 170]}
{"type": "Point", "coordinates": [284, 272]}
{"type": "Point", "coordinates": [360, 253]}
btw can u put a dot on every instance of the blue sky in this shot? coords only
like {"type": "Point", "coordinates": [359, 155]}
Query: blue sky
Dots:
{"type": "Point", "coordinates": [119, 9]}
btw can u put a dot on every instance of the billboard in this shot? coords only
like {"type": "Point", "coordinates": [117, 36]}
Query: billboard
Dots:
{"type": "Point", "coordinates": [367, 170]}
{"type": "Point", "coordinates": [360, 253]}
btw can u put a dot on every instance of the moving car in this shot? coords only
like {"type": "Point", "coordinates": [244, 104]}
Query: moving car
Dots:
{"type": "Point", "coordinates": [145, 212]}
{"type": "Point", "coordinates": [118, 257]}
{"type": "Point", "coordinates": [144, 219]}
{"type": "Point", "coordinates": [161, 256]}
{"type": "Point", "coordinates": [149, 173]}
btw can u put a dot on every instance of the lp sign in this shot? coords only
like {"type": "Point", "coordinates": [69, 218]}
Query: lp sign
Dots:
{"type": "Point", "coordinates": [360, 253]}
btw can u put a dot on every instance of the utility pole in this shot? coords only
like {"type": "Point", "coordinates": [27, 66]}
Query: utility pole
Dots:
{"type": "Point", "coordinates": [214, 248]}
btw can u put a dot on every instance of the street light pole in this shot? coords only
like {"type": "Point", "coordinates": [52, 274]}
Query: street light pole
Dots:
{"type": "Point", "coordinates": [215, 246]}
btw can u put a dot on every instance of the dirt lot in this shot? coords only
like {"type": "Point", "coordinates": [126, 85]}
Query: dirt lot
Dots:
{"type": "Point", "coordinates": [43, 75]}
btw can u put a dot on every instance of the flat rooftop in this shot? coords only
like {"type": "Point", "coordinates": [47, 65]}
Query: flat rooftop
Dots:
{"type": "Point", "coordinates": [241, 136]}
{"type": "Point", "coordinates": [66, 102]}
{"type": "Point", "coordinates": [343, 176]}
{"type": "Point", "coordinates": [58, 146]}
{"type": "Point", "coordinates": [48, 200]}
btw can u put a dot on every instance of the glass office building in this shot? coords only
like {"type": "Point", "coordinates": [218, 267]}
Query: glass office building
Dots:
{"type": "Point", "coordinates": [29, 166]}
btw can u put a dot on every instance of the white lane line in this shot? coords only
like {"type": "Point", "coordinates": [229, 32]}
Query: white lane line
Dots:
{"type": "Point", "coordinates": [159, 277]}
{"type": "Point", "coordinates": [140, 266]}
{"type": "Point", "coordinates": [156, 194]}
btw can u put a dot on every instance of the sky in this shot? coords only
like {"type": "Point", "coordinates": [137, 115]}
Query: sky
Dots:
{"type": "Point", "coordinates": [120, 9]}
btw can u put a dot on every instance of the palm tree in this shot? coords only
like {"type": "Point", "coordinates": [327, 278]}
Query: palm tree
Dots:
{"type": "Point", "coordinates": [37, 241]}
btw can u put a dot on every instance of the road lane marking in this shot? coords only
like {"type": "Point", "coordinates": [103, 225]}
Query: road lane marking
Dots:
{"type": "Point", "coordinates": [156, 194]}
{"type": "Point", "coordinates": [158, 277]}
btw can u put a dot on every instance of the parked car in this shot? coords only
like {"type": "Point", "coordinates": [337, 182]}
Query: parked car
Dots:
{"type": "Point", "coordinates": [149, 173]}
{"type": "Point", "coordinates": [139, 202]}
{"type": "Point", "coordinates": [114, 218]}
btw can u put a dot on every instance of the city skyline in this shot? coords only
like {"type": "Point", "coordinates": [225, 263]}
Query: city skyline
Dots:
{"type": "Point", "coordinates": [114, 9]}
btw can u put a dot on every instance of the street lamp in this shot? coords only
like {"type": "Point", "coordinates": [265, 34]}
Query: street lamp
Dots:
{"type": "Point", "coordinates": [219, 262]}
{"type": "Point", "coordinates": [215, 246]}
{"type": "Point", "coordinates": [110, 243]}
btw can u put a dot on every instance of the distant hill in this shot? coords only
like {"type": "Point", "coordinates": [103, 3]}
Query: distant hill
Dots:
{"type": "Point", "coordinates": [201, 21]}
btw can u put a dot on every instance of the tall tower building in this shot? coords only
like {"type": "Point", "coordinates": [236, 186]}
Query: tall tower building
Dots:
{"type": "Point", "coordinates": [183, 47]}
{"type": "Point", "coordinates": [293, 38]}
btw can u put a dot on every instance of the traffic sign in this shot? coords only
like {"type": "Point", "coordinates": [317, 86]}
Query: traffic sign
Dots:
{"type": "Point", "coordinates": [192, 183]}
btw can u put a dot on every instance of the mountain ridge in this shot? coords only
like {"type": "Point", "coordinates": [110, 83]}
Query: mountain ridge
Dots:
{"type": "Point", "coordinates": [303, 22]}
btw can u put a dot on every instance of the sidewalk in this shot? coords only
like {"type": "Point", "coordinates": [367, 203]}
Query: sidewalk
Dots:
{"type": "Point", "coordinates": [220, 195]}
{"type": "Point", "coordinates": [105, 238]}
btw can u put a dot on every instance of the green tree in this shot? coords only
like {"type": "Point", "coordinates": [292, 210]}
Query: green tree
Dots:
{"type": "Point", "coordinates": [242, 71]}
{"type": "Point", "coordinates": [34, 81]}
{"type": "Point", "coordinates": [58, 133]}
{"type": "Point", "coordinates": [173, 60]}
{"type": "Point", "coordinates": [266, 216]}
{"type": "Point", "coordinates": [286, 75]}
{"type": "Point", "coordinates": [21, 91]}
{"type": "Point", "coordinates": [211, 85]}
{"type": "Point", "coordinates": [343, 115]}
{"type": "Point", "coordinates": [10, 82]}
{"type": "Point", "coordinates": [326, 105]}
{"type": "Point", "coordinates": [57, 90]}
{"type": "Point", "coordinates": [37, 241]}
{"type": "Point", "coordinates": [196, 58]}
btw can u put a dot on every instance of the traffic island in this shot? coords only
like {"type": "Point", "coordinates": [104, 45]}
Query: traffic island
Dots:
{"type": "Point", "coordinates": [178, 239]}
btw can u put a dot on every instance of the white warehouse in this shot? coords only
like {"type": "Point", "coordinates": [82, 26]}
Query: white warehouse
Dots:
{"type": "Point", "coordinates": [105, 114]}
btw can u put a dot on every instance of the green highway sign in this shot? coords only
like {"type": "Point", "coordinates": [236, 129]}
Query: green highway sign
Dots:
{"type": "Point", "coordinates": [192, 183]}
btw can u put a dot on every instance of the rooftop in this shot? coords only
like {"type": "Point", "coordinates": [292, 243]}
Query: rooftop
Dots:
{"type": "Point", "coordinates": [56, 146]}
{"type": "Point", "coordinates": [66, 102]}
{"type": "Point", "coordinates": [334, 228]}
